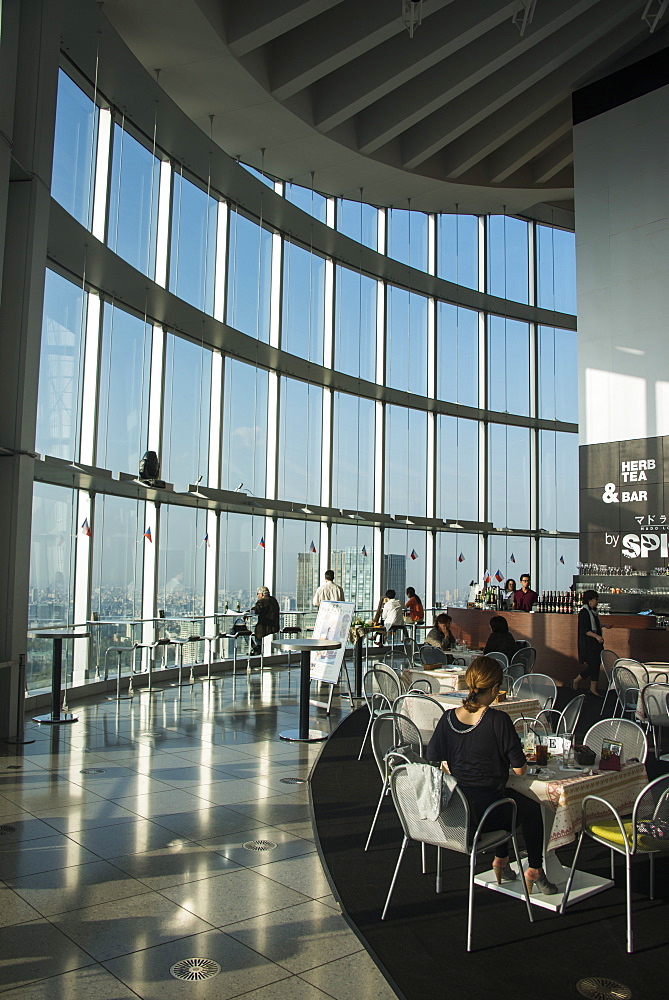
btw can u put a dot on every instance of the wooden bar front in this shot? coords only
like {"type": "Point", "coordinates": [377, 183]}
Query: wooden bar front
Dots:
{"type": "Point", "coordinates": [555, 637]}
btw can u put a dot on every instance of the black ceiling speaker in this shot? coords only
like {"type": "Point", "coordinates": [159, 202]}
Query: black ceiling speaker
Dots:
{"type": "Point", "coordinates": [149, 470]}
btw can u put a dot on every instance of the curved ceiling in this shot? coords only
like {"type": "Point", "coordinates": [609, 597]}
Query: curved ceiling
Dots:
{"type": "Point", "coordinates": [467, 112]}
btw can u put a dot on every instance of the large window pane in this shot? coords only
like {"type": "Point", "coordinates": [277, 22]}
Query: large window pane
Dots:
{"type": "Point", "coordinates": [244, 455]}
{"type": "Point", "coordinates": [556, 269]}
{"type": "Point", "coordinates": [249, 277]}
{"type": "Point", "coordinates": [181, 563]}
{"type": "Point", "coordinates": [118, 558]}
{"type": "Point", "coordinates": [301, 411]}
{"type": "Point", "coordinates": [457, 354]}
{"type": "Point", "coordinates": [355, 324]}
{"type": "Point", "coordinates": [303, 303]}
{"type": "Point", "coordinates": [458, 249]}
{"type": "Point", "coordinates": [508, 258]}
{"type": "Point", "coordinates": [501, 549]}
{"type": "Point", "coordinates": [241, 560]}
{"type": "Point", "coordinates": [558, 374]}
{"type": "Point", "coordinates": [308, 200]}
{"type": "Point", "coordinates": [358, 221]}
{"type": "Point", "coordinates": [133, 202]}
{"type": "Point", "coordinates": [407, 237]}
{"type": "Point", "coordinates": [297, 576]}
{"type": "Point", "coordinates": [456, 565]}
{"type": "Point", "coordinates": [352, 559]}
{"type": "Point", "coordinates": [125, 366]}
{"type": "Point", "coordinates": [558, 563]}
{"type": "Point", "coordinates": [185, 449]}
{"type": "Point", "coordinates": [406, 341]}
{"type": "Point", "coordinates": [457, 473]}
{"type": "Point", "coordinates": [193, 244]}
{"type": "Point", "coordinates": [558, 481]}
{"type": "Point", "coordinates": [51, 577]}
{"type": "Point", "coordinates": [508, 365]}
{"type": "Point", "coordinates": [353, 452]}
{"type": "Point", "coordinates": [61, 359]}
{"type": "Point", "coordinates": [405, 461]}
{"type": "Point", "coordinates": [509, 481]}
{"type": "Point", "coordinates": [401, 568]}
{"type": "Point", "coordinates": [74, 150]}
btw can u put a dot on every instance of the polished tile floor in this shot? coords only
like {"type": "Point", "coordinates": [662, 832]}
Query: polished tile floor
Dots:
{"type": "Point", "coordinates": [122, 851]}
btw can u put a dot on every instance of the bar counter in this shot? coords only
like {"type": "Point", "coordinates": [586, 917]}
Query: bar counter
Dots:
{"type": "Point", "coordinates": [555, 637]}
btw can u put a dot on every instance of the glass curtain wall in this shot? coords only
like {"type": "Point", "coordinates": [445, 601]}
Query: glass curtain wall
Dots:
{"type": "Point", "coordinates": [485, 434]}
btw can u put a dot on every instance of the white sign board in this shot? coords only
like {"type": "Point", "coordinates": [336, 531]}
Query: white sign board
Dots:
{"type": "Point", "coordinates": [332, 622]}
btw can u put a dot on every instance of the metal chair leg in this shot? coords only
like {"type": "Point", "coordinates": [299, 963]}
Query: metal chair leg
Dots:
{"type": "Point", "coordinates": [470, 907]}
{"type": "Point", "coordinates": [567, 890]}
{"type": "Point", "coordinates": [364, 740]}
{"type": "Point", "coordinates": [439, 879]}
{"type": "Point", "coordinates": [384, 792]}
{"type": "Point", "coordinates": [628, 888]}
{"type": "Point", "coordinates": [403, 848]}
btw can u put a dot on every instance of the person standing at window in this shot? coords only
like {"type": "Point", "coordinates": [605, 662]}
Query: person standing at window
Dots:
{"type": "Point", "coordinates": [524, 599]}
{"type": "Point", "coordinates": [510, 588]}
{"type": "Point", "coordinates": [329, 591]}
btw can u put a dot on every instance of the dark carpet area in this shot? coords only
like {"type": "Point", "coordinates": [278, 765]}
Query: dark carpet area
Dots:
{"type": "Point", "coordinates": [421, 944]}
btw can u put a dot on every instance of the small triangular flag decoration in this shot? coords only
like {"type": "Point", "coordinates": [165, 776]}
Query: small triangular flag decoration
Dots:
{"type": "Point", "coordinates": [414, 554]}
{"type": "Point", "coordinates": [261, 543]}
{"type": "Point", "coordinates": [206, 539]}
{"type": "Point", "coordinates": [86, 528]}
{"type": "Point", "coordinates": [364, 551]}
{"type": "Point", "coordinates": [512, 558]}
{"type": "Point", "coordinates": [562, 560]}
{"type": "Point", "coordinates": [312, 547]}
{"type": "Point", "coordinates": [498, 576]}
{"type": "Point", "coordinates": [147, 534]}
{"type": "Point", "coordinates": [461, 557]}
{"type": "Point", "coordinates": [486, 578]}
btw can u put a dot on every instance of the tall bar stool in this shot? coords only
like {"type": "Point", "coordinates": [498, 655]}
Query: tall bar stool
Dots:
{"type": "Point", "coordinates": [211, 639]}
{"type": "Point", "coordinates": [120, 650]}
{"type": "Point", "coordinates": [238, 631]}
{"type": "Point", "coordinates": [180, 643]}
{"type": "Point", "coordinates": [151, 646]}
{"type": "Point", "coordinates": [290, 632]}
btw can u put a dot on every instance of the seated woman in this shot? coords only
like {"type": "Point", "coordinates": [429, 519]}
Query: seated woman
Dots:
{"type": "Point", "coordinates": [440, 634]}
{"type": "Point", "coordinates": [269, 618]}
{"type": "Point", "coordinates": [479, 744]}
{"type": "Point", "coordinates": [500, 639]}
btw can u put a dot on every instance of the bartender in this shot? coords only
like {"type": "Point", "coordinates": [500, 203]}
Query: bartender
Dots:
{"type": "Point", "coordinates": [525, 598]}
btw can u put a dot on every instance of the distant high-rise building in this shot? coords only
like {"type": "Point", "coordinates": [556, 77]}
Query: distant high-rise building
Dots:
{"type": "Point", "coordinates": [307, 579]}
{"type": "Point", "coordinates": [354, 571]}
{"type": "Point", "coordinates": [394, 574]}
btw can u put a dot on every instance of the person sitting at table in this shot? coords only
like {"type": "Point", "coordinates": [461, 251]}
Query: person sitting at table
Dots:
{"type": "Point", "coordinates": [509, 593]}
{"type": "Point", "coordinates": [440, 635]}
{"type": "Point", "coordinates": [590, 641]}
{"type": "Point", "coordinates": [269, 618]}
{"type": "Point", "coordinates": [479, 746]}
{"type": "Point", "coordinates": [500, 639]}
{"type": "Point", "coordinates": [414, 606]}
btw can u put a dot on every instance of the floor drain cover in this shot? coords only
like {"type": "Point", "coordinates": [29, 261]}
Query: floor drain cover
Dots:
{"type": "Point", "coordinates": [600, 988]}
{"type": "Point", "coordinates": [6, 828]}
{"type": "Point", "coordinates": [292, 781]}
{"type": "Point", "coordinates": [260, 845]}
{"type": "Point", "coordinates": [193, 970]}
{"type": "Point", "coordinates": [93, 770]}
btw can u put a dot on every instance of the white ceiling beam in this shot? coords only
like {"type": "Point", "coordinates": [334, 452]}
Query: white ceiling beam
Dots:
{"type": "Point", "coordinates": [530, 143]}
{"type": "Point", "coordinates": [605, 36]}
{"type": "Point", "coordinates": [251, 24]}
{"type": "Point", "coordinates": [351, 89]}
{"type": "Point", "coordinates": [408, 106]}
{"type": "Point", "coordinates": [556, 159]}
{"type": "Point", "coordinates": [500, 130]}
{"type": "Point", "coordinates": [342, 34]}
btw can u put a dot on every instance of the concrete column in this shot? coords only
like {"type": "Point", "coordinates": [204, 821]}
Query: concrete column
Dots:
{"type": "Point", "coordinates": [29, 54]}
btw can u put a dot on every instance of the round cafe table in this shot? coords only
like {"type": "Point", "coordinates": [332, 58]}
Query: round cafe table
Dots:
{"type": "Point", "coordinates": [56, 716]}
{"type": "Point", "coordinates": [305, 647]}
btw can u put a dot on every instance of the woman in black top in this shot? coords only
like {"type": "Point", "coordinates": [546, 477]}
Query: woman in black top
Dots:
{"type": "Point", "coordinates": [479, 744]}
{"type": "Point", "coordinates": [590, 641]}
{"type": "Point", "coordinates": [500, 639]}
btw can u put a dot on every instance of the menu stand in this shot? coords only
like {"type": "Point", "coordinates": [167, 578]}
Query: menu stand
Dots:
{"type": "Point", "coordinates": [56, 716]}
{"type": "Point", "coordinates": [305, 647]}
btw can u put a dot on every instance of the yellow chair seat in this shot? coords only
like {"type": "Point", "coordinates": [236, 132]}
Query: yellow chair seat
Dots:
{"type": "Point", "coordinates": [610, 831]}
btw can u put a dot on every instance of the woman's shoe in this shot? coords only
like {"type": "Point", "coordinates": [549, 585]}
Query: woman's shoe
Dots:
{"type": "Point", "coordinates": [504, 873]}
{"type": "Point", "coordinates": [542, 884]}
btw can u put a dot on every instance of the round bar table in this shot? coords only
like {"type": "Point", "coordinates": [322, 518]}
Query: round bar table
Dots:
{"type": "Point", "coordinates": [305, 647]}
{"type": "Point", "coordinates": [56, 716]}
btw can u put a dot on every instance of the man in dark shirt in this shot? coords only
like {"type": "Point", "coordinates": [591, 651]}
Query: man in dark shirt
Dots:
{"type": "Point", "coordinates": [524, 599]}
